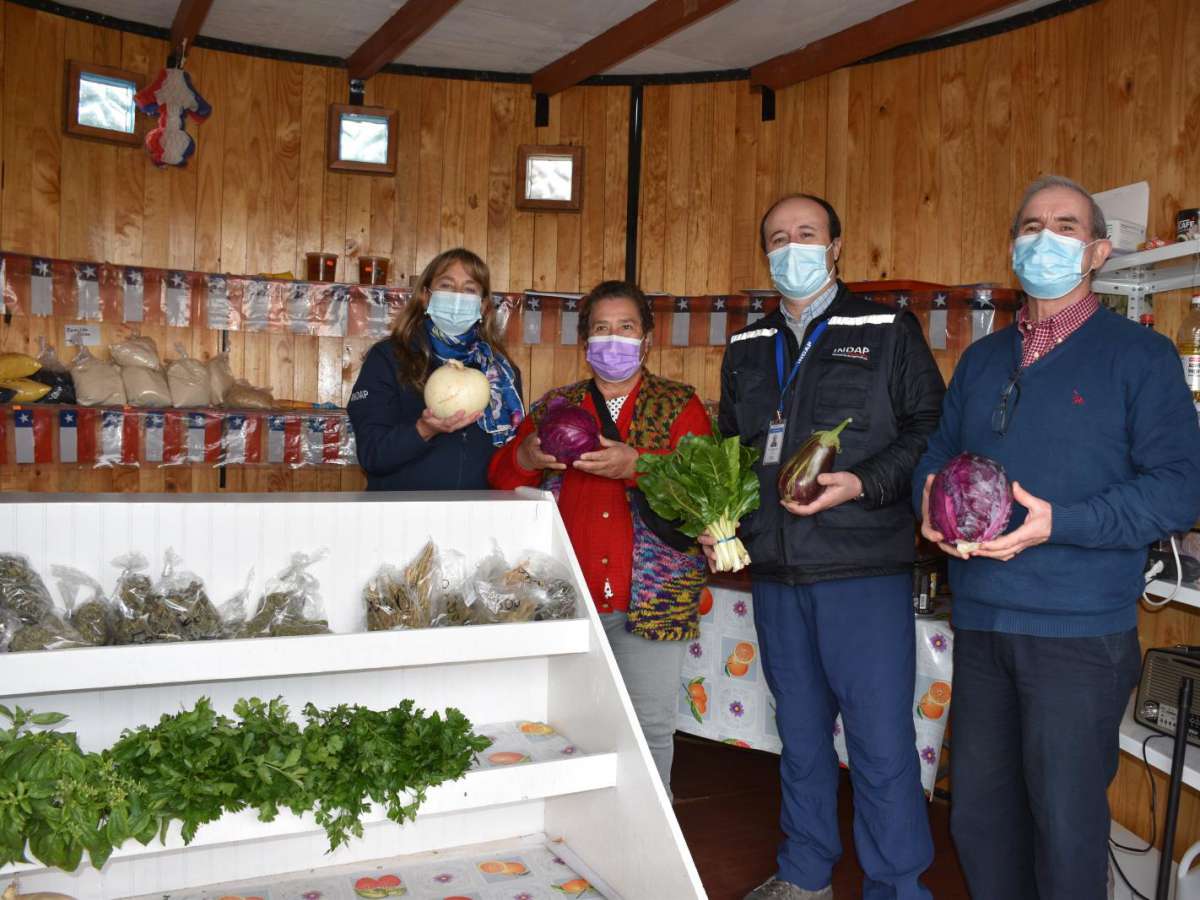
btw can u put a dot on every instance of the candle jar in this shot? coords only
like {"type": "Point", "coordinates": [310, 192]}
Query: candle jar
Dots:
{"type": "Point", "coordinates": [372, 270]}
{"type": "Point", "coordinates": [321, 266]}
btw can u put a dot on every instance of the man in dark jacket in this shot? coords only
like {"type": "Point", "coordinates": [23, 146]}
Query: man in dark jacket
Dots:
{"type": "Point", "coordinates": [832, 578]}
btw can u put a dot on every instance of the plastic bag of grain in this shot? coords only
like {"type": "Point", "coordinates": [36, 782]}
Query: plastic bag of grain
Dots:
{"type": "Point", "coordinates": [145, 387]}
{"type": "Point", "coordinates": [137, 351]}
{"type": "Point", "coordinates": [188, 380]}
{"type": "Point", "coordinates": [220, 378]}
{"type": "Point", "coordinates": [96, 383]}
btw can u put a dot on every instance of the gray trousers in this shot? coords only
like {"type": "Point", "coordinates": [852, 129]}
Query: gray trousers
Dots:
{"type": "Point", "coordinates": [652, 671]}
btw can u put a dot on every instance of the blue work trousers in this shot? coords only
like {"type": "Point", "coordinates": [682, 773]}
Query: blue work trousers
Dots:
{"type": "Point", "coordinates": [846, 646]}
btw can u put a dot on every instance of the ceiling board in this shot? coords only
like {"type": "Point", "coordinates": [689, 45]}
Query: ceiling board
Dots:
{"type": "Point", "coordinates": [508, 36]}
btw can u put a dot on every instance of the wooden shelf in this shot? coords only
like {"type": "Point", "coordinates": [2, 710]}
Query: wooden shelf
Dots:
{"type": "Point", "coordinates": [479, 789]}
{"type": "Point", "coordinates": [96, 668]}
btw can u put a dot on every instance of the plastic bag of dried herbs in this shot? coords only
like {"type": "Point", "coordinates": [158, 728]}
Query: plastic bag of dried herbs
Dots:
{"type": "Point", "coordinates": [50, 632]}
{"type": "Point", "coordinates": [291, 604]}
{"type": "Point", "coordinates": [138, 615]}
{"type": "Point", "coordinates": [88, 610]}
{"type": "Point", "coordinates": [23, 594]}
{"type": "Point", "coordinates": [452, 605]}
{"type": "Point", "coordinates": [537, 588]}
{"type": "Point", "coordinates": [404, 598]}
{"type": "Point", "coordinates": [183, 593]}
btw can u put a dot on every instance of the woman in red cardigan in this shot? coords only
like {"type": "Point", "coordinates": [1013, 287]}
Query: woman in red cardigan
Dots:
{"type": "Point", "coordinates": [645, 586]}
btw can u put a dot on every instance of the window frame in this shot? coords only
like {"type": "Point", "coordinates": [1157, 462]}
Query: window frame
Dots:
{"type": "Point", "coordinates": [75, 72]}
{"type": "Point", "coordinates": [525, 152]}
{"type": "Point", "coordinates": [333, 145]}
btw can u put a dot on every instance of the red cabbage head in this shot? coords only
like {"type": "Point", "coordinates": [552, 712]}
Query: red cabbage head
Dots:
{"type": "Point", "coordinates": [970, 501]}
{"type": "Point", "coordinates": [567, 431]}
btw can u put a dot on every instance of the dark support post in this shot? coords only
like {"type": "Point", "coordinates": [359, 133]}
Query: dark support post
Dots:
{"type": "Point", "coordinates": [633, 185]}
{"type": "Point", "coordinates": [768, 105]}
{"type": "Point", "coordinates": [541, 110]}
{"type": "Point", "coordinates": [1182, 721]}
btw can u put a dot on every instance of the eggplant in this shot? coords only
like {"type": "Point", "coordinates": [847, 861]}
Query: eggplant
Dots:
{"type": "Point", "coordinates": [798, 477]}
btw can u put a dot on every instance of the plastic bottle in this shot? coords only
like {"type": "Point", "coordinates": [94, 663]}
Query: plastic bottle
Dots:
{"type": "Point", "coordinates": [1188, 344]}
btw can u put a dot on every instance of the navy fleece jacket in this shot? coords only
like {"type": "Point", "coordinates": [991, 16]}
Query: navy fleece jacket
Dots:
{"type": "Point", "coordinates": [394, 456]}
{"type": "Point", "coordinates": [1104, 430]}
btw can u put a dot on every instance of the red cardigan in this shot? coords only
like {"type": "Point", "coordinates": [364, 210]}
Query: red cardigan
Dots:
{"type": "Point", "coordinates": [595, 510]}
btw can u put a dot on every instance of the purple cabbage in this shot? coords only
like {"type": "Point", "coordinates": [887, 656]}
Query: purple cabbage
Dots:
{"type": "Point", "coordinates": [970, 500]}
{"type": "Point", "coordinates": [567, 431]}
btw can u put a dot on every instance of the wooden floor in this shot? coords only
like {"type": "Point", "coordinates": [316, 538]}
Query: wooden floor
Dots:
{"type": "Point", "coordinates": [727, 803]}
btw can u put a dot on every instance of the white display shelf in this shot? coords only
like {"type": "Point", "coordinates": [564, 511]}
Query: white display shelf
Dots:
{"type": "Point", "coordinates": [1187, 596]}
{"type": "Point", "coordinates": [1158, 751]}
{"type": "Point", "coordinates": [1140, 868]}
{"type": "Point", "coordinates": [605, 801]}
{"type": "Point", "coordinates": [96, 668]}
{"type": "Point", "coordinates": [478, 789]}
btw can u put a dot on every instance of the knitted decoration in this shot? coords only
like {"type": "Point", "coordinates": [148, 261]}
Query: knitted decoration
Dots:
{"type": "Point", "coordinates": [171, 97]}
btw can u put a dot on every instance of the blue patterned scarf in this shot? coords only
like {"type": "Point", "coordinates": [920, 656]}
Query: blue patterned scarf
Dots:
{"type": "Point", "coordinates": [505, 411]}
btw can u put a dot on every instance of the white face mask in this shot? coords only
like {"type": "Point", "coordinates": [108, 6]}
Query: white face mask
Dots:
{"type": "Point", "coordinates": [799, 270]}
{"type": "Point", "coordinates": [452, 312]}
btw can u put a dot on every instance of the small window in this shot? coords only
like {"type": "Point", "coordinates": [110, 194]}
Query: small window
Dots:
{"type": "Point", "coordinates": [100, 103]}
{"type": "Point", "coordinates": [362, 139]}
{"type": "Point", "coordinates": [549, 177]}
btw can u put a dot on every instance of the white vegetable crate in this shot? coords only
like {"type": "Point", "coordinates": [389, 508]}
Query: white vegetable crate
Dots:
{"type": "Point", "coordinates": [606, 802]}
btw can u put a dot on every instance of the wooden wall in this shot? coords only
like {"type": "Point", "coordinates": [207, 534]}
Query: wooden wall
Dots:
{"type": "Point", "coordinates": [924, 157]}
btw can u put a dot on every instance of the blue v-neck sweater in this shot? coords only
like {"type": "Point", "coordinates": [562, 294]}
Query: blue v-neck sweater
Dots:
{"type": "Point", "coordinates": [1105, 431]}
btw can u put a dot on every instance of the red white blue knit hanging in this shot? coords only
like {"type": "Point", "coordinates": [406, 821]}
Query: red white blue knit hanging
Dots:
{"type": "Point", "coordinates": [173, 98]}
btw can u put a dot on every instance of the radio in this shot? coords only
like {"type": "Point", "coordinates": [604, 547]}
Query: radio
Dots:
{"type": "Point", "coordinates": [1156, 704]}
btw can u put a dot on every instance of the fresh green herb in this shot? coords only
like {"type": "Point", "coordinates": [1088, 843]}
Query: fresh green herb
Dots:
{"type": "Point", "coordinates": [706, 484]}
{"type": "Point", "coordinates": [196, 765]}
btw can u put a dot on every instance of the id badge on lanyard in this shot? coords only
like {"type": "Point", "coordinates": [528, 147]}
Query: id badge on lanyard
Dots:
{"type": "Point", "coordinates": [777, 427]}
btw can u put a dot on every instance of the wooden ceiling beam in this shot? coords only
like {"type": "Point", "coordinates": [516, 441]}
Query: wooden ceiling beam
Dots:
{"type": "Point", "coordinates": [405, 26]}
{"type": "Point", "coordinates": [914, 20]}
{"type": "Point", "coordinates": [643, 29]}
{"type": "Point", "coordinates": [189, 18]}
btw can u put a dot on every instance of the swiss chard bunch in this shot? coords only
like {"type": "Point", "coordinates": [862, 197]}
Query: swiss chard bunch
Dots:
{"type": "Point", "coordinates": [706, 484]}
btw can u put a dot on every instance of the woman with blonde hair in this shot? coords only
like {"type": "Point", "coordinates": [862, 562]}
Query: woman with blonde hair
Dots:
{"type": "Point", "coordinates": [401, 444]}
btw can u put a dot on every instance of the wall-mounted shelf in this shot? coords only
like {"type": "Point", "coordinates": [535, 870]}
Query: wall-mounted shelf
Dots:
{"type": "Point", "coordinates": [1134, 275]}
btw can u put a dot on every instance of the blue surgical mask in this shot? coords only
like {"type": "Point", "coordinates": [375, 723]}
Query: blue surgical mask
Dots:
{"type": "Point", "coordinates": [799, 270]}
{"type": "Point", "coordinates": [1047, 264]}
{"type": "Point", "coordinates": [452, 312]}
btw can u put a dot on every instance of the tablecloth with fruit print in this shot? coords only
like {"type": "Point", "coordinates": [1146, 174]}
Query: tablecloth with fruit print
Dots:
{"type": "Point", "coordinates": [724, 696]}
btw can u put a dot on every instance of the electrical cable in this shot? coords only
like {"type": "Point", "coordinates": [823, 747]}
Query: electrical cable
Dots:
{"type": "Point", "coordinates": [1158, 567]}
{"type": "Point", "coordinates": [1153, 824]}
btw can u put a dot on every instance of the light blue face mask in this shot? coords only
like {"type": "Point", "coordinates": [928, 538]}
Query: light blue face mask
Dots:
{"type": "Point", "coordinates": [452, 312]}
{"type": "Point", "coordinates": [799, 270]}
{"type": "Point", "coordinates": [1047, 264]}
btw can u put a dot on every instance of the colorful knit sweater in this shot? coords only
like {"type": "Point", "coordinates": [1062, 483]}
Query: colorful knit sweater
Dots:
{"type": "Point", "coordinates": [666, 583]}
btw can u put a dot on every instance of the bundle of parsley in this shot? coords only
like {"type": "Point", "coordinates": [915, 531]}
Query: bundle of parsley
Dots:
{"type": "Point", "coordinates": [705, 484]}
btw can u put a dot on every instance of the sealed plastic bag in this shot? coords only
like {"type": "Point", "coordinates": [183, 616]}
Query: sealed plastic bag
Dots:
{"type": "Point", "coordinates": [145, 387]}
{"type": "Point", "coordinates": [176, 609]}
{"type": "Point", "coordinates": [244, 395]}
{"type": "Point", "coordinates": [96, 383]}
{"type": "Point", "coordinates": [291, 604]}
{"type": "Point", "coordinates": [17, 365]}
{"type": "Point", "coordinates": [136, 351]}
{"type": "Point", "coordinates": [188, 380]}
{"type": "Point", "coordinates": [88, 610]}
{"type": "Point", "coordinates": [404, 598]}
{"type": "Point", "coordinates": [48, 633]}
{"type": "Point", "coordinates": [220, 378]}
{"type": "Point", "coordinates": [23, 594]}
{"type": "Point", "coordinates": [54, 374]}
{"type": "Point", "coordinates": [537, 588]}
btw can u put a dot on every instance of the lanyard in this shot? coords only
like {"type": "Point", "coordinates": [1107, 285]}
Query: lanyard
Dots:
{"type": "Point", "coordinates": [779, 356]}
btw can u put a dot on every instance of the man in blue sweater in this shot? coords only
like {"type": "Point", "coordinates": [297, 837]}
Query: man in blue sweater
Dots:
{"type": "Point", "coordinates": [1090, 418]}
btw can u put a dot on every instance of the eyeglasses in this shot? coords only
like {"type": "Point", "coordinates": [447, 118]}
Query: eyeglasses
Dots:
{"type": "Point", "coordinates": [1003, 413]}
